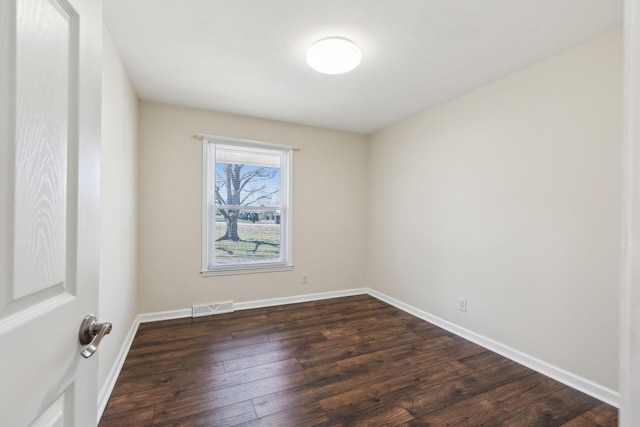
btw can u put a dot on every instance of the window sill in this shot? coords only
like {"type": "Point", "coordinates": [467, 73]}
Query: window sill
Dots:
{"type": "Point", "coordinates": [246, 270]}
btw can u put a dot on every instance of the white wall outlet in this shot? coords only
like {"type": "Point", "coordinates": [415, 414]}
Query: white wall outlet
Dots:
{"type": "Point", "coordinates": [462, 304]}
{"type": "Point", "coordinates": [305, 278]}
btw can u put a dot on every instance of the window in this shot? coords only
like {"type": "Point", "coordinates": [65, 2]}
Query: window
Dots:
{"type": "Point", "coordinates": [246, 207]}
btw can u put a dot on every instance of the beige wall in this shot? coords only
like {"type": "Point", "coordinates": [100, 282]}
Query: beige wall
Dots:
{"type": "Point", "coordinates": [118, 287]}
{"type": "Point", "coordinates": [329, 209]}
{"type": "Point", "coordinates": [510, 196]}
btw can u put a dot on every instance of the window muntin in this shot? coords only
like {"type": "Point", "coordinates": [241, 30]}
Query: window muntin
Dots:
{"type": "Point", "coordinates": [247, 207]}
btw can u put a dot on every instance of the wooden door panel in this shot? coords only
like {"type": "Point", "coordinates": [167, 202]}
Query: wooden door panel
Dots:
{"type": "Point", "coordinates": [46, 40]}
{"type": "Point", "coordinates": [49, 192]}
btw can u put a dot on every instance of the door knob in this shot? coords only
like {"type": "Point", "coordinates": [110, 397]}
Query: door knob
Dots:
{"type": "Point", "coordinates": [91, 333]}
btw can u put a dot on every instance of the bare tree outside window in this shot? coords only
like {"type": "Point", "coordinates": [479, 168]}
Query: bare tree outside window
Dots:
{"type": "Point", "coordinates": [243, 185]}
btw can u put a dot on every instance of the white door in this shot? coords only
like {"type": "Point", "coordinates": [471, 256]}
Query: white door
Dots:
{"type": "Point", "coordinates": [49, 204]}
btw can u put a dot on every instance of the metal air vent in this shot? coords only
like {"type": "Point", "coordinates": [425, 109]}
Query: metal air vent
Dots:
{"type": "Point", "coordinates": [209, 309]}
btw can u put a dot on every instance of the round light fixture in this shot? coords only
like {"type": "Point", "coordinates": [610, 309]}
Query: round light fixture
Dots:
{"type": "Point", "coordinates": [333, 55]}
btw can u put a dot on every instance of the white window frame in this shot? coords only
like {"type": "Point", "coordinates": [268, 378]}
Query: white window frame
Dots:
{"type": "Point", "coordinates": [209, 142]}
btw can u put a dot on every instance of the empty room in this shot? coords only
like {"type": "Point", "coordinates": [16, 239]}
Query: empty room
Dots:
{"type": "Point", "coordinates": [172, 259]}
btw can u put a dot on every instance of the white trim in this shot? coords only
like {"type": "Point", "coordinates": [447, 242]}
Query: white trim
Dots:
{"type": "Point", "coordinates": [165, 315]}
{"type": "Point", "coordinates": [187, 312]}
{"type": "Point", "coordinates": [572, 380]}
{"type": "Point", "coordinates": [112, 377]}
{"type": "Point", "coordinates": [630, 266]}
{"type": "Point", "coordinates": [298, 298]}
{"type": "Point", "coordinates": [269, 268]}
{"type": "Point", "coordinates": [204, 232]}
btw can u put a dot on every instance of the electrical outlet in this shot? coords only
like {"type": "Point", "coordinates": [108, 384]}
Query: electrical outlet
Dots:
{"type": "Point", "coordinates": [462, 304]}
{"type": "Point", "coordinates": [305, 278]}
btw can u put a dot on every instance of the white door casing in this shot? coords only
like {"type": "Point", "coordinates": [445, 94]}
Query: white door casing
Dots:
{"type": "Point", "coordinates": [630, 271]}
{"type": "Point", "coordinates": [50, 54]}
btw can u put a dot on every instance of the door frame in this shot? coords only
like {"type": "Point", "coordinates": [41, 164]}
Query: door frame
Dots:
{"type": "Point", "coordinates": [630, 233]}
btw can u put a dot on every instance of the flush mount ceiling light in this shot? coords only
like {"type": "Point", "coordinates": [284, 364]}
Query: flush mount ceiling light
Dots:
{"type": "Point", "coordinates": [333, 55]}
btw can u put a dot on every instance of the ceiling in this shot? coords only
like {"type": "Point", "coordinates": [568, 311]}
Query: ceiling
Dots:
{"type": "Point", "coordinates": [248, 56]}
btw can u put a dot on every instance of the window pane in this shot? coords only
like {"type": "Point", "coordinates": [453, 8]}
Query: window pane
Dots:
{"type": "Point", "coordinates": [247, 185]}
{"type": "Point", "coordinates": [246, 236]}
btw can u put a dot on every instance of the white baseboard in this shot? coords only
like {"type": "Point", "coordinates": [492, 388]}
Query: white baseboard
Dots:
{"type": "Point", "coordinates": [247, 305]}
{"type": "Point", "coordinates": [298, 298]}
{"type": "Point", "coordinates": [165, 315]}
{"type": "Point", "coordinates": [577, 382]}
{"type": "Point", "coordinates": [112, 377]}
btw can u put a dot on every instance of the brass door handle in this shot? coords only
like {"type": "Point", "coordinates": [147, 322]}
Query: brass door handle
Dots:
{"type": "Point", "coordinates": [91, 333]}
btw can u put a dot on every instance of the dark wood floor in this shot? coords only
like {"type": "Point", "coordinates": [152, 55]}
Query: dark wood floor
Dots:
{"type": "Point", "coordinates": [348, 361]}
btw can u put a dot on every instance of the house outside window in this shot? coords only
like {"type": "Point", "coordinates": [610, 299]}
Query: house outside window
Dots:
{"type": "Point", "coordinates": [246, 206]}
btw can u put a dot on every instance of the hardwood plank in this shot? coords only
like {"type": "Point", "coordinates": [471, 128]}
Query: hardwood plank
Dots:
{"type": "Point", "coordinates": [135, 418]}
{"type": "Point", "coordinates": [580, 421]}
{"type": "Point", "coordinates": [554, 409]}
{"type": "Point", "coordinates": [258, 359]}
{"type": "Point", "coordinates": [432, 397]}
{"type": "Point", "coordinates": [196, 400]}
{"type": "Point", "coordinates": [314, 392]}
{"type": "Point", "coordinates": [196, 378]}
{"type": "Point", "coordinates": [603, 415]}
{"type": "Point", "coordinates": [310, 414]}
{"type": "Point", "coordinates": [342, 404]}
{"type": "Point", "coordinates": [484, 407]}
{"type": "Point", "coordinates": [484, 360]}
{"type": "Point", "coordinates": [398, 353]}
{"type": "Point", "coordinates": [451, 350]}
{"type": "Point", "coordinates": [224, 416]}
{"type": "Point", "coordinates": [158, 380]}
{"type": "Point", "coordinates": [469, 412]}
{"type": "Point", "coordinates": [338, 362]}
{"type": "Point", "coordinates": [338, 349]}
{"type": "Point", "coordinates": [379, 416]}
{"type": "Point", "coordinates": [522, 392]}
